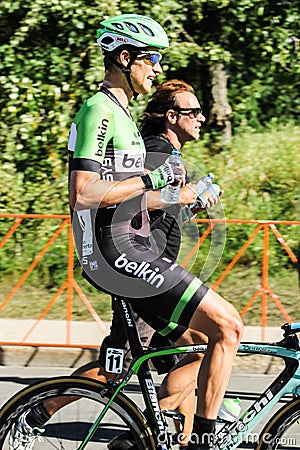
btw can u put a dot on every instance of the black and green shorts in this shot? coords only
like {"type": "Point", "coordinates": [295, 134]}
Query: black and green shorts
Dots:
{"type": "Point", "coordinates": [162, 293]}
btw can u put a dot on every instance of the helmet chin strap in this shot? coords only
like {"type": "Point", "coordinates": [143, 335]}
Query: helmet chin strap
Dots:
{"type": "Point", "coordinates": [126, 71]}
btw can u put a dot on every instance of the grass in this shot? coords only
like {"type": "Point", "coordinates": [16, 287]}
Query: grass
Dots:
{"type": "Point", "coordinates": [238, 287]}
{"type": "Point", "coordinates": [241, 285]}
{"type": "Point", "coordinates": [30, 301]}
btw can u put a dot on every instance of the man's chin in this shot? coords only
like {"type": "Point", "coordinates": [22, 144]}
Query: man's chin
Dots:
{"type": "Point", "coordinates": [143, 91]}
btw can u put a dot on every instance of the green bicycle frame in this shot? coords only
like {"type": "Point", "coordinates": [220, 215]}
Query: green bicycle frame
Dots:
{"type": "Point", "coordinates": [231, 435]}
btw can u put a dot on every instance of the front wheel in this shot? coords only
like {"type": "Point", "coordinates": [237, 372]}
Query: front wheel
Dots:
{"type": "Point", "coordinates": [283, 429]}
{"type": "Point", "coordinates": [81, 400]}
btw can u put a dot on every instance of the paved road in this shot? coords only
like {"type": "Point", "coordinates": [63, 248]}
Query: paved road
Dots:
{"type": "Point", "coordinates": [14, 379]}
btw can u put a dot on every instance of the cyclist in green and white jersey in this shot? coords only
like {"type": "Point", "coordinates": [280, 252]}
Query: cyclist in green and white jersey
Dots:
{"type": "Point", "coordinates": [165, 295]}
{"type": "Point", "coordinates": [108, 194]}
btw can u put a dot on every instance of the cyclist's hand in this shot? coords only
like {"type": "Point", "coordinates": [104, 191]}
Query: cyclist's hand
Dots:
{"type": "Point", "coordinates": [167, 173]}
{"type": "Point", "coordinates": [211, 201]}
{"type": "Point", "coordinates": [188, 194]}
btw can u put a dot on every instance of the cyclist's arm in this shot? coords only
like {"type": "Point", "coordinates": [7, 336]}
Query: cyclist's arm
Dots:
{"type": "Point", "coordinates": [188, 196]}
{"type": "Point", "coordinates": [88, 190]}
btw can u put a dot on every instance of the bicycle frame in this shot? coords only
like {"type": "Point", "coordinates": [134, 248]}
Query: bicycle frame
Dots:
{"type": "Point", "coordinates": [287, 382]}
{"type": "Point", "coordinates": [231, 435]}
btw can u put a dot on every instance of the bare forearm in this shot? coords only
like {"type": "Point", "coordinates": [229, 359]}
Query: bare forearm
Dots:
{"type": "Point", "coordinates": [154, 200]}
{"type": "Point", "coordinates": [188, 195]}
{"type": "Point", "coordinates": [87, 190]}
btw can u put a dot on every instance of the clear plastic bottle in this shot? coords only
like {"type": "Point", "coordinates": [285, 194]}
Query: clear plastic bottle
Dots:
{"type": "Point", "coordinates": [205, 182]}
{"type": "Point", "coordinates": [170, 194]}
{"type": "Point", "coordinates": [213, 189]}
{"type": "Point", "coordinates": [203, 186]}
{"type": "Point", "coordinates": [228, 412]}
{"type": "Point", "coordinates": [206, 188]}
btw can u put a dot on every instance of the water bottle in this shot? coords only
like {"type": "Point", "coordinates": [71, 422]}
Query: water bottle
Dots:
{"type": "Point", "coordinates": [205, 189]}
{"type": "Point", "coordinates": [170, 194]}
{"type": "Point", "coordinates": [228, 412]}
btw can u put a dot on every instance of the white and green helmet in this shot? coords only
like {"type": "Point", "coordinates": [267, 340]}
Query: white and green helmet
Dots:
{"type": "Point", "coordinates": [131, 29]}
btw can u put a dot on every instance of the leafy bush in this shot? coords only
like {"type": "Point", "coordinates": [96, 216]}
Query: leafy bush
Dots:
{"type": "Point", "coordinates": [50, 63]}
{"type": "Point", "coordinates": [261, 178]}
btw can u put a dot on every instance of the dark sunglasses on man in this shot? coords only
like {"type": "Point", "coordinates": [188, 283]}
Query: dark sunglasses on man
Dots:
{"type": "Point", "coordinates": [193, 113]}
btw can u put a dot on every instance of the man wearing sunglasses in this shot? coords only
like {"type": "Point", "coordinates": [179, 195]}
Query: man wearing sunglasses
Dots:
{"type": "Point", "coordinates": [108, 193]}
{"type": "Point", "coordinates": [172, 117]}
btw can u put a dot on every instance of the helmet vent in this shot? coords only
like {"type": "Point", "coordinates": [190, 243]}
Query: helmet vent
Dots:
{"type": "Point", "coordinates": [146, 30]}
{"type": "Point", "coordinates": [131, 27]}
{"type": "Point", "coordinates": [118, 25]}
{"type": "Point", "coordinates": [107, 40]}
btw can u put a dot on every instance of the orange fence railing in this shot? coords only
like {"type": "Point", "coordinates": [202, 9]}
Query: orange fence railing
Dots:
{"type": "Point", "coordinates": [265, 289]}
{"type": "Point", "coordinates": [69, 285]}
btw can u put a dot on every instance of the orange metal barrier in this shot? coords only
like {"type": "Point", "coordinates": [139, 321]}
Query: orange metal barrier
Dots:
{"type": "Point", "coordinates": [265, 289]}
{"type": "Point", "coordinates": [70, 284]}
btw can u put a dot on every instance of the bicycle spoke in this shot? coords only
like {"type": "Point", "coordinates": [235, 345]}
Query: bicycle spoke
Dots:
{"type": "Point", "coordinates": [69, 426]}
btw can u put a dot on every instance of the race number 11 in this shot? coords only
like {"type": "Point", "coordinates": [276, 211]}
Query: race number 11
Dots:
{"type": "Point", "coordinates": [114, 360]}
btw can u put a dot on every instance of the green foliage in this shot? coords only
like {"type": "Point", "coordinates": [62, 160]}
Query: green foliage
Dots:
{"type": "Point", "coordinates": [260, 177]}
{"type": "Point", "coordinates": [50, 63]}
{"type": "Point", "coordinates": [262, 171]}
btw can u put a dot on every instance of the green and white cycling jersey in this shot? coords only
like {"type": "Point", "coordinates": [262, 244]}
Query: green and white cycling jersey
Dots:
{"type": "Point", "coordinates": [103, 132]}
{"type": "Point", "coordinates": [113, 242]}
{"type": "Point", "coordinates": [104, 139]}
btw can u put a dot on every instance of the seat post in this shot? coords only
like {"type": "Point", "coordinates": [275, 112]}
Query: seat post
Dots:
{"type": "Point", "coordinates": [153, 412]}
{"type": "Point", "coordinates": [129, 324]}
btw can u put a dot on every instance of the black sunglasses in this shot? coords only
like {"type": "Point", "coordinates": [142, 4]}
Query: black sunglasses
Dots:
{"type": "Point", "coordinates": [193, 113]}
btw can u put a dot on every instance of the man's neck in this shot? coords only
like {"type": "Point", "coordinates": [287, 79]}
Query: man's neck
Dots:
{"type": "Point", "coordinates": [173, 139]}
{"type": "Point", "coordinates": [119, 89]}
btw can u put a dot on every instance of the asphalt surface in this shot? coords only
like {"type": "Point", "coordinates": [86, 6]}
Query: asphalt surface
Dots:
{"type": "Point", "coordinates": [49, 343]}
{"type": "Point", "coordinates": [244, 385]}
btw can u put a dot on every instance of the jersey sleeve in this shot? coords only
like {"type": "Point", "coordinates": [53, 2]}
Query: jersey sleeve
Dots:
{"type": "Point", "coordinates": [94, 129]}
{"type": "Point", "coordinates": [157, 151]}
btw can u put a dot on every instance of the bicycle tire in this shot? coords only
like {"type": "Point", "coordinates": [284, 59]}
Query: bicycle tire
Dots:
{"type": "Point", "coordinates": [67, 428]}
{"type": "Point", "coordinates": [283, 429]}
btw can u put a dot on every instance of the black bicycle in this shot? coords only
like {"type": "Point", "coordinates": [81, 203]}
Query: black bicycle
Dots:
{"type": "Point", "coordinates": [102, 412]}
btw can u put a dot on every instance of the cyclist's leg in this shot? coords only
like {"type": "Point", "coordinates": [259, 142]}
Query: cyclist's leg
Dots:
{"type": "Point", "coordinates": [219, 320]}
{"type": "Point", "coordinates": [205, 311]}
{"type": "Point", "coordinates": [177, 391]}
{"type": "Point", "coordinates": [173, 300]}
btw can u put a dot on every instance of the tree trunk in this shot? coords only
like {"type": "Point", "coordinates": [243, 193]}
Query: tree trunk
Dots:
{"type": "Point", "coordinates": [220, 110]}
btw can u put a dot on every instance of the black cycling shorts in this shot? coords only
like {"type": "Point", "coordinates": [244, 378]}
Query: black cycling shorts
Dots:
{"type": "Point", "coordinates": [162, 293]}
{"type": "Point", "coordinates": [148, 336]}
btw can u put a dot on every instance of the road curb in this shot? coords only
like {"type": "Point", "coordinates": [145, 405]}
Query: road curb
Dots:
{"type": "Point", "coordinates": [26, 355]}
{"type": "Point", "coordinates": [74, 358]}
